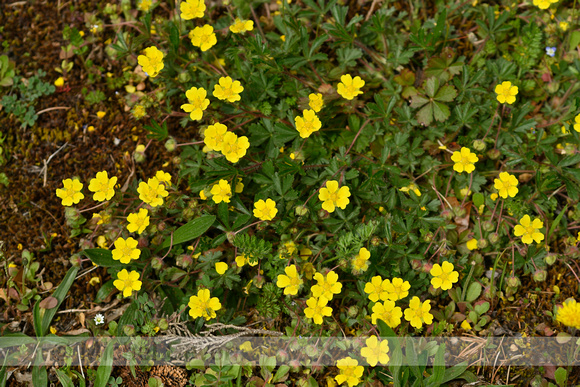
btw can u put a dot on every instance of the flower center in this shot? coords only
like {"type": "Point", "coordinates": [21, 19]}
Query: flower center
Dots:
{"type": "Point", "coordinates": [530, 230]}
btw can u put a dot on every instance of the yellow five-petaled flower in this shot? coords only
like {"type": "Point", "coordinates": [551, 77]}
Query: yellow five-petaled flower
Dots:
{"type": "Point", "coordinates": [138, 222]}
{"type": "Point", "coordinates": [290, 281]}
{"type": "Point", "coordinates": [127, 282]}
{"type": "Point", "coordinates": [152, 61]}
{"type": "Point", "coordinates": [418, 313]}
{"type": "Point", "coordinates": [125, 250]}
{"type": "Point", "coordinates": [333, 197]}
{"type": "Point", "coordinates": [569, 313]}
{"type": "Point", "coordinates": [326, 287]}
{"type": "Point", "coordinates": [443, 276]}
{"type": "Point", "coordinates": [203, 37]}
{"type": "Point", "coordinates": [316, 102]}
{"type": "Point", "coordinates": [241, 26]}
{"type": "Point", "coordinates": [228, 89]}
{"type": "Point", "coordinates": [464, 160]}
{"type": "Point", "coordinates": [528, 230]}
{"type": "Point", "coordinates": [197, 102]}
{"type": "Point", "coordinates": [506, 93]}
{"type": "Point", "coordinates": [350, 371]}
{"type": "Point", "coordinates": [507, 185]}
{"type": "Point", "coordinates": [71, 193]}
{"type": "Point", "coordinates": [222, 191]}
{"type": "Point", "coordinates": [102, 186]}
{"type": "Point", "coordinates": [191, 9]}
{"type": "Point", "coordinates": [265, 210]}
{"type": "Point", "coordinates": [203, 305]}
{"type": "Point", "coordinates": [375, 352]}
{"type": "Point", "coordinates": [317, 309]}
{"type": "Point", "coordinates": [349, 87]}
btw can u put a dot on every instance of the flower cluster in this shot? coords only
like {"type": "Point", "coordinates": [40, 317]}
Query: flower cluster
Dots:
{"type": "Point", "coordinates": [217, 138]}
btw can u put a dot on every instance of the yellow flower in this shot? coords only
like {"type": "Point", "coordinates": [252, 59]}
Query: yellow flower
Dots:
{"type": "Point", "coordinates": [221, 267]}
{"type": "Point", "coordinates": [464, 160]}
{"type": "Point", "coordinates": [471, 244]}
{"type": "Point", "coordinates": [493, 196]}
{"type": "Point", "coordinates": [102, 242]}
{"type": "Point", "coordinates": [203, 305]}
{"type": "Point", "coordinates": [241, 26]}
{"type": "Point", "coordinates": [191, 9]}
{"type": "Point", "coordinates": [377, 289]}
{"type": "Point", "coordinates": [418, 313]}
{"type": "Point", "coordinates": [333, 197]}
{"type": "Point", "coordinates": [569, 313]}
{"type": "Point", "coordinates": [397, 289]}
{"type": "Point", "coordinates": [506, 185]}
{"type": "Point", "coordinates": [152, 61]}
{"type": "Point", "coordinates": [152, 192]}
{"type": "Point", "coordinates": [317, 309]}
{"type": "Point", "coordinates": [214, 136]}
{"type": "Point", "coordinates": [239, 186]}
{"type": "Point", "coordinates": [59, 82]}
{"type": "Point", "coordinates": [197, 102]}
{"type": "Point", "coordinates": [577, 124]}
{"type": "Point", "coordinates": [234, 147]}
{"type": "Point", "coordinates": [101, 114]}
{"type": "Point", "coordinates": [290, 282]}
{"type": "Point", "coordinates": [288, 249]}
{"type": "Point", "coordinates": [506, 92]}
{"type": "Point", "coordinates": [308, 123]}
{"type": "Point", "coordinates": [203, 37]}
{"type": "Point", "coordinates": [376, 352]}
{"type": "Point", "coordinates": [443, 276]}
{"type": "Point", "coordinates": [388, 312]}
{"type": "Point", "coordinates": [228, 89]}
{"type": "Point", "coordinates": [544, 4]}
{"type": "Point", "coordinates": [127, 282]}
{"type": "Point", "coordinates": [411, 187]}
{"type": "Point", "coordinates": [315, 102]}
{"type": "Point", "coordinates": [241, 260]}
{"type": "Point", "coordinates": [139, 112]}
{"type": "Point", "coordinates": [246, 346]}
{"type": "Point", "coordinates": [528, 230]}
{"type": "Point", "coordinates": [138, 222]}
{"type": "Point", "coordinates": [326, 287]}
{"type": "Point", "coordinates": [144, 5]}
{"type": "Point", "coordinates": [361, 262]}
{"type": "Point", "coordinates": [71, 192]}
{"type": "Point", "coordinates": [222, 192]}
{"type": "Point", "coordinates": [283, 38]}
{"type": "Point", "coordinates": [349, 88]}
{"type": "Point", "coordinates": [265, 210]}
{"type": "Point", "coordinates": [102, 186]}
{"type": "Point", "coordinates": [163, 177]}
{"type": "Point", "coordinates": [350, 371]}
{"type": "Point", "coordinates": [564, 26]}
{"type": "Point", "coordinates": [126, 250]}
{"type": "Point", "coordinates": [465, 325]}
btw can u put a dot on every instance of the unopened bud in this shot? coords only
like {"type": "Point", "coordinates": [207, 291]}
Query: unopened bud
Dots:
{"type": "Point", "coordinates": [184, 260]}
{"type": "Point", "coordinates": [163, 324]}
{"type": "Point", "coordinates": [375, 241]}
{"type": "Point", "coordinates": [540, 275]}
{"type": "Point", "coordinates": [129, 330]}
{"type": "Point", "coordinates": [479, 145]}
{"type": "Point", "coordinates": [170, 144]}
{"type": "Point", "coordinates": [282, 356]}
{"type": "Point", "coordinates": [551, 259]}
{"type": "Point", "coordinates": [301, 210]}
{"type": "Point", "coordinates": [493, 154]}
{"type": "Point", "coordinates": [353, 311]}
{"type": "Point", "coordinates": [157, 263]}
{"type": "Point", "coordinates": [493, 238]}
{"type": "Point", "coordinates": [323, 214]}
{"type": "Point", "coordinates": [488, 226]}
{"type": "Point", "coordinates": [75, 260]}
{"type": "Point", "coordinates": [482, 243]}
{"type": "Point", "coordinates": [513, 281]}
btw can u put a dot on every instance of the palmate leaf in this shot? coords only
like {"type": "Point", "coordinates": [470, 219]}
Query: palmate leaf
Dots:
{"type": "Point", "coordinates": [431, 103]}
{"type": "Point", "coordinates": [444, 66]}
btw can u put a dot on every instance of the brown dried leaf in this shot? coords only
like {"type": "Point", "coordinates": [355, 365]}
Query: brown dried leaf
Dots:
{"type": "Point", "coordinates": [48, 303]}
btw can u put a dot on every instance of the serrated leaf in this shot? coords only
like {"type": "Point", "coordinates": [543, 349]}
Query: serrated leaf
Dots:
{"type": "Point", "coordinates": [431, 86]}
{"type": "Point", "coordinates": [446, 94]}
{"type": "Point", "coordinates": [440, 111]}
{"type": "Point", "coordinates": [425, 115]}
{"type": "Point", "coordinates": [418, 101]}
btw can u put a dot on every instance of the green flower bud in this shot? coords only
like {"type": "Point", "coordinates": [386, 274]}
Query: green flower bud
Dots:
{"type": "Point", "coordinates": [540, 275]}
{"type": "Point", "coordinates": [479, 145]}
{"type": "Point", "coordinates": [550, 259]}
{"type": "Point", "coordinates": [129, 330]}
{"type": "Point", "coordinates": [170, 144]}
{"type": "Point", "coordinates": [493, 238]}
{"type": "Point", "coordinates": [301, 210]}
{"type": "Point", "coordinates": [157, 263]}
{"type": "Point", "coordinates": [488, 226]}
{"type": "Point", "coordinates": [482, 243]}
{"type": "Point", "coordinates": [493, 154]}
{"type": "Point", "coordinates": [163, 324]}
{"type": "Point", "coordinates": [353, 311]}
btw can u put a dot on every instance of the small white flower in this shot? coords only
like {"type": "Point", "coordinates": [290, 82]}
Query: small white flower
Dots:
{"type": "Point", "coordinates": [99, 319]}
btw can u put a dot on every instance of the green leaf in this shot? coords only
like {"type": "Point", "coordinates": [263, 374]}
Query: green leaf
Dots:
{"type": "Point", "coordinates": [574, 40]}
{"type": "Point", "coordinates": [63, 378]}
{"type": "Point", "coordinates": [418, 101]}
{"type": "Point", "coordinates": [557, 220]}
{"type": "Point", "coordinates": [561, 376]}
{"type": "Point", "coordinates": [425, 115]}
{"type": "Point", "coordinates": [431, 86]}
{"type": "Point", "coordinates": [105, 366]}
{"type": "Point", "coordinates": [102, 257]}
{"type": "Point", "coordinates": [436, 378]}
{"type": "Point", "coordinates": [158, 132]}
{"type": "Point", "coordinates": [473, 291]}
{"type": "Point", "coordinates": [446, 94]}
{"type": "Point", "coordinates": [60, 293]}
{"type": "Point", "coordinates": [190, 230]}
{"type": "Point", "coordinates": [104, 291]}
{"type": "Point", "coordinates": [478, 199]}
{"type": "Point", "coordinates": [440, 111]}
{"type": "Point", "coordinates": [39, 373]}
{"type": "Point", "coordinates": [384, 329]}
